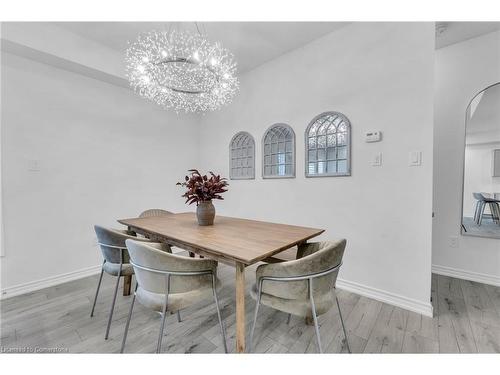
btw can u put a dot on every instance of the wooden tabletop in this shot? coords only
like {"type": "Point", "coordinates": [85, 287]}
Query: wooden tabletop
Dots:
{"type": "Point", "coordinates": [239, 240]}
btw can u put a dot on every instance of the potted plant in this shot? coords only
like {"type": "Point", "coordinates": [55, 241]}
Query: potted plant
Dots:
{"type": "Point", "coordinates": [201, 190]}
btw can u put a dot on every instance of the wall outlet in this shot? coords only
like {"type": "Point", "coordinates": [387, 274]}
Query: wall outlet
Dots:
{"type": "Point", "coordinates": [453, 241]}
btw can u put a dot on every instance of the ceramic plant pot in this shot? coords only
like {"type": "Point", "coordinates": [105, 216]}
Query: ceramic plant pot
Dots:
{"type": "Point", "coordinates": [205, 212]}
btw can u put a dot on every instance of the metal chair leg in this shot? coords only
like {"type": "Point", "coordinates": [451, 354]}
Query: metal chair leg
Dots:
{"type": "Point", "coordinates": [257, 304]}
{"type": "Point", "coordinates": [493, 211]}
{"type": "Point", "coordinates": [179, 316]}
{"type": "Point", "coordinates": [128, 320]}
{"type": "Point", "coordinates": [481, 213]}
{"type": "Point", "coordinates": [476, 211]}
{"type": "Point", "coordinates": [221, 323]}
{"type": "Point", "coordinates": [315, 318]}
{"type": "Point", "coordinates": [113, 303]}
{"type": "Point", "coordinates": [343, 326]}
{"type": "Point", "coordinates": [164, 315]}
{"type": "Point", "coordinates": [98, 287]}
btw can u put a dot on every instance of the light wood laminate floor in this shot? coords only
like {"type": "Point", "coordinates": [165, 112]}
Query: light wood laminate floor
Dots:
{"type": "Point", "coordinates": [467, 320]}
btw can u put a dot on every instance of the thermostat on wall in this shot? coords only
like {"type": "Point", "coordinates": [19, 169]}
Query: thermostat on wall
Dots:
{"type": "Point", "coordinates": [373, 136]}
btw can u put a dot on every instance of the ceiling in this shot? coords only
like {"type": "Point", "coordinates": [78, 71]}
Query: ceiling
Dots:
{"type": "Point", "coordinates": [455, 32]}
{"type": "Point", "coordinates": [252, 43]}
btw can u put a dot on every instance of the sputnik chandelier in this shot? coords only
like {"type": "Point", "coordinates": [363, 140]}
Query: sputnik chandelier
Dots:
{"type": "Point", "coordinates": [181, 70]}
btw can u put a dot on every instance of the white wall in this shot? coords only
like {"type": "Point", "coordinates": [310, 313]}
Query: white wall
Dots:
{"type": "Point", "coordinates": [380, 76]}
{"type": "Point", "coordinates": [104, 153]}
{"type": "Point", "coordinates": [90, 137]}
{"type": "Point", "coordinates": [462, 70]}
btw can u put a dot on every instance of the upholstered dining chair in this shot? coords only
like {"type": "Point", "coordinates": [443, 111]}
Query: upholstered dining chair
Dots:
{"type": "Point", "coordinates": [304, 287]}
{"type": "Point", "coordinates": [168, 282]}
{"type": "Point", "coordinates": [115, 261]}
{"type": "Point", "coordinates": [155, 212]}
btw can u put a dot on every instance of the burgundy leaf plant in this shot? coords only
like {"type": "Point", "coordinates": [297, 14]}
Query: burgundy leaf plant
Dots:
{"type": "Point", "coordinates": [203, 188]}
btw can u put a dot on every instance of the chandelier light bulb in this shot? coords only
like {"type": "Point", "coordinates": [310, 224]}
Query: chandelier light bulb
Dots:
{"type": "Point", "coordinates": [182, 71]}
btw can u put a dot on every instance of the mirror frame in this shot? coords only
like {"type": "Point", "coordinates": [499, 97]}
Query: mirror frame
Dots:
{"type": "Point", "coordinates": [462, 231]}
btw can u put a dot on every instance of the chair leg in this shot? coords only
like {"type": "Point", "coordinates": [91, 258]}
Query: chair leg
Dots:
{"type": "Point", "coordinates": [495, 212]}
{"type": "Point", "coordinates": [97, 291]}
{"type": "Point", "coordinates": [481, 213]}
{"type": "Point", "coordinates": [128, 321]}
{"type": "Point", "coordinates": [257, 304]}
{"type": "Point", "coordinates": [179, 316]}
{"type": "Point", "coordinates": [315, 318]}
{"type": "Point", "coordinates": [476, 211]}
{"type": "Point", "coordinates": [163, 316]}
{"type": "Point", "coordinates": [343, 326]}
{"type": "Point", "coordinates": [113, 303]}
{"type": "Point", "coordinates": [288, 319]}
{"type": "Point", "coordinates": [222, 329]}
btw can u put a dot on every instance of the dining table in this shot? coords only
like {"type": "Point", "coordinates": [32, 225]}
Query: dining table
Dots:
{"type": "Point", "coordinates": [234, 241]}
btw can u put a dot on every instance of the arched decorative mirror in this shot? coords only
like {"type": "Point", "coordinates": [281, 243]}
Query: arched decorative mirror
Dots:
{"type": "Point", "coordinates": [481, 185]}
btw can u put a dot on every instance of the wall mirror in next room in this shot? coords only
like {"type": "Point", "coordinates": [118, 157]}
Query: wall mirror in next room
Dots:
{"type": "Point", "coordinates": [481, 185]}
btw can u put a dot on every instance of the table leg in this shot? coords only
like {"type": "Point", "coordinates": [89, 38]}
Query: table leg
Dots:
{"type": "Point", "coordinates": [240, 307]}
{"type": "Point", "coordinates": [127, 283]}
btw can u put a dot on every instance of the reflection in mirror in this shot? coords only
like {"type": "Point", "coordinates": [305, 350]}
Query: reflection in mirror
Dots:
{"type": "Point", "coordinates": [481, 186]}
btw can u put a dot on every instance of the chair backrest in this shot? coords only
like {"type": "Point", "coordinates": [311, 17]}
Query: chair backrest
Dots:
{"type": "Point", "coordinates": [314, 258]}
{"type": "Point", "coordinates": [478, 196]}
{"type": "Point", "coordinates": [111, 241]}
{"type": "Point", "coordinates": [155, 212]}
{"type": "Point", "coordinates": [156, 256]}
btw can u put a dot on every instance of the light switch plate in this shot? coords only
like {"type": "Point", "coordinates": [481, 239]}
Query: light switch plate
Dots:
{"type": "Point", "coordinates": [377, 160]}
{"type": "Point", "coordinates": [415, 158]}
{"type": "Point", "coordinates": [33, 165]}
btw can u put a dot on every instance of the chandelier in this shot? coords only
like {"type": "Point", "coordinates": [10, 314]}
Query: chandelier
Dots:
{"type": "Point", "coordinates": [181, 70]}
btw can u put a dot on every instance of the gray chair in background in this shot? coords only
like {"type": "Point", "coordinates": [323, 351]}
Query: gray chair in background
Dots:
{"type": "Point", "coordinates": [155, 212]}
{"type": "Point", "coordinates": [304, 287]}
{"type": "Point", "coordinates": [169, 282]}
{"type": "Point", "coordinates": [116, 261]}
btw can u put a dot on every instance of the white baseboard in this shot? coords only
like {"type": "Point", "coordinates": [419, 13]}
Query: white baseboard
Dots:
{"type": "Point", "coordinates": [31, 286]}
{"type": "Point", "coordinates": [367, 291]}
{"type": "Point", "coordinates": [424, 308]}
{"type": "Point", "coordinates": [466, 275]}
